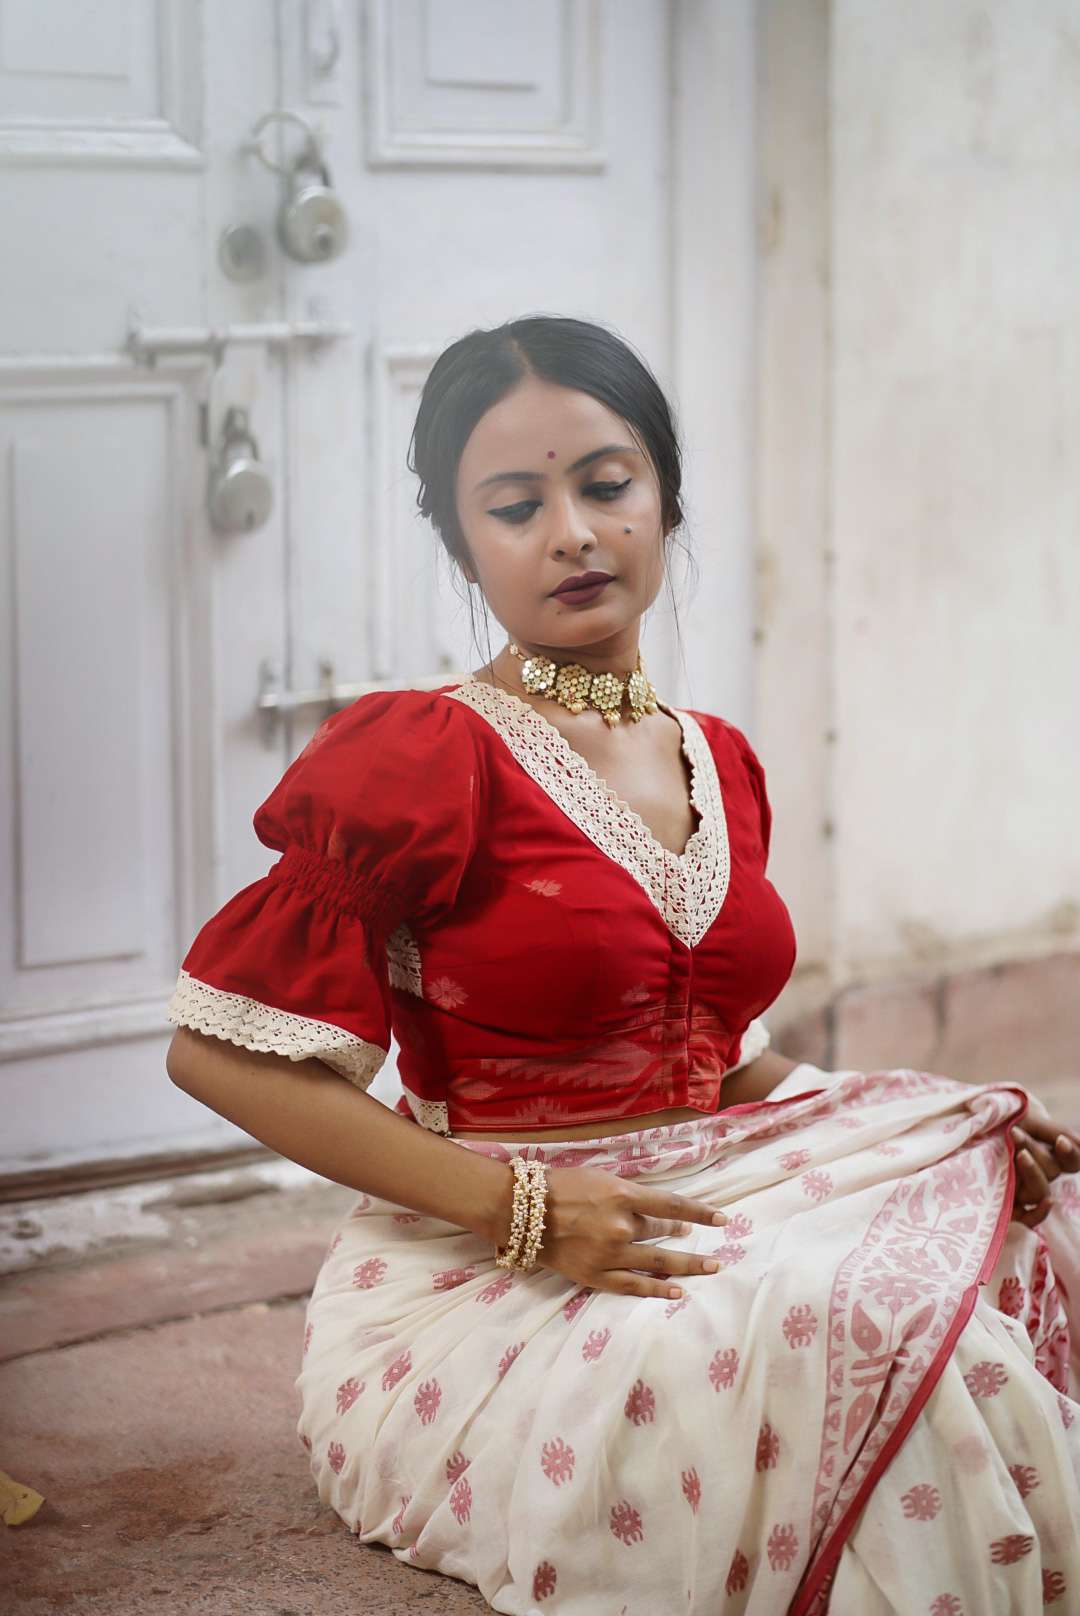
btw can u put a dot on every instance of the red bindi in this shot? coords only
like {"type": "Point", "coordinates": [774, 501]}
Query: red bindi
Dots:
{"type": "Point", "coordinates": [551, 454]}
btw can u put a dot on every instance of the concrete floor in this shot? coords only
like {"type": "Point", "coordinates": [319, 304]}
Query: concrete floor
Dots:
{"type": "Point", "coordinates": [147, 1393]}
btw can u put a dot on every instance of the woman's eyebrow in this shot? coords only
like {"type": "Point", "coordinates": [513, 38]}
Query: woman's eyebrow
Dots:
{"type": "Point", "coordinates": [540, 476]}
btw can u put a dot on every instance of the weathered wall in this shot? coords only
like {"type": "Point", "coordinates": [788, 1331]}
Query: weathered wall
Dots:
{"type": "Point", "coordinates": [792, 630]}
{"type": "Point", "coordinates": [919, 508]}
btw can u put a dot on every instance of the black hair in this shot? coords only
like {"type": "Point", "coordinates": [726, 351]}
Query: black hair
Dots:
{"type": "Point", "coordinates": [482, 367]}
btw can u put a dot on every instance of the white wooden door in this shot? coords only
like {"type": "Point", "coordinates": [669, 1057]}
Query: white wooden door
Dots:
{"type": "Point", "coordinates": [129, 754]}
{"type": "Point", "coordinates": [496, 158]}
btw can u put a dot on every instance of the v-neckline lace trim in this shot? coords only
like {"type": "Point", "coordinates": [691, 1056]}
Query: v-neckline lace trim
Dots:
{"type": "Point", "coordinates": [688, 888]}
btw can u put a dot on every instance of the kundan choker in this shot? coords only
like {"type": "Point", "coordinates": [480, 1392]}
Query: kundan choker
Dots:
{"type": "Point", "coordinates": [575, 688]}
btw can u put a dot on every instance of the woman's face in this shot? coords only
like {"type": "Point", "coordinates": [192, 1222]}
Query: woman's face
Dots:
{"type": "Point", "coordinates": [552, 518]}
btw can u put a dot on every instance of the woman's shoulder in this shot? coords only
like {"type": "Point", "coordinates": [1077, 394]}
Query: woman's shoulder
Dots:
{"type": "Point", "coordinates": [408, 718]}
{"type": "Point", "coordinates": [390, 756]}
{"type": "Point", "coordinates": [389, 713]}
{"type": "Point", "coordinates": [722, 732]}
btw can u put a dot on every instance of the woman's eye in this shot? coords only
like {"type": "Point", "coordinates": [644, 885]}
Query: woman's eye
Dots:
{"type": "Point", "coordinates": [516, 514]}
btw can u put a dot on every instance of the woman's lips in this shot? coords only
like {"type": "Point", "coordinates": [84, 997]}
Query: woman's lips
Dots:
{"type": "Point", "coordinates": [584, 593]}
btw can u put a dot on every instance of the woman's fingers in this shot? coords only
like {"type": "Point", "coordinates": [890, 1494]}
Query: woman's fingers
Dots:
{"type": "Point", "coordinates": [1031, 1216]}
{"type": "Point", "coordinates": [676, 1209]}
{"type": "Point", "coordinates": [1039, 1153]}
{"type": "Point", "coordinates": [659, 1228]}
{"type": "Point", "coordinates": [1044, 1150]}
{"type": "Point", "coordinates": [1031, 1200]}
{"type": "Point", "coordinates": [648, 1271]}
{"type": "Point", "coordinates": [652, 1260]}
{"type": "Point", "coordinates": [1064, 1142]}
{"type": "Point", "coordinates": [1035, 1181]}
{"type": "Point", "coordinates": [663, 1261]}
{"type": "Point", "coordinates": [1032, 1186]}
{"type": "Point", "coordinates": [1067, 1152]}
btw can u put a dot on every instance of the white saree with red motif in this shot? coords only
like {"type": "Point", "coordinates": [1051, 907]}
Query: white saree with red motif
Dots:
{"type": "Point", "coordinates": [871, 1408]}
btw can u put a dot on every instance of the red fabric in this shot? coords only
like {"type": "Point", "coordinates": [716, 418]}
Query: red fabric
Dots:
{"type": "Point", "coordinates": [552, 988]}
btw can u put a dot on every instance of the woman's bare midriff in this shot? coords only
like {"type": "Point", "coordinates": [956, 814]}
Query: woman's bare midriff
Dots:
{"type": "Point", "coordinates": [592, 1130]}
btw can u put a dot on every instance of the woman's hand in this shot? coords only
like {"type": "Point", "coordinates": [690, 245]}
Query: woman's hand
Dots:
{"type": "Point", "coordinates": [593, 1221]}
{"type": "Point", "coordinates": [1043, 1150]}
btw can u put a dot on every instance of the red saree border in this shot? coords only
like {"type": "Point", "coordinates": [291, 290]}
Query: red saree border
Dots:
{"type": "Point", "coordinates": [824, 1562]}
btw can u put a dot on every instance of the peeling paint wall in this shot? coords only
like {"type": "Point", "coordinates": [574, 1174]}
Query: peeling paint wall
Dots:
{"type": "Point", "coordinates": [946, 584]}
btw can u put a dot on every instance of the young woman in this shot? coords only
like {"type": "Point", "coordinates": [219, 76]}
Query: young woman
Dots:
{"type": "Point", "coordinates": [751, 1336]}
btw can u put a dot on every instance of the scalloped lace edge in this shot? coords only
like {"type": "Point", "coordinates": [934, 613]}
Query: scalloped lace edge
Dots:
{"type": "Point", "coordinates": [260, 1027]}
{"type": "Point", "coordinates": [431, 1114]}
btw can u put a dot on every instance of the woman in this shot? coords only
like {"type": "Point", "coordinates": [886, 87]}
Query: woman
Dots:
{"type": "Point", "coordinates": [792, 1341]}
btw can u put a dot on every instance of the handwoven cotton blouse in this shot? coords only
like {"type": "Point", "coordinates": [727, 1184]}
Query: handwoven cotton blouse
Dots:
{"type": "Point", "coordinates": [454, 872]}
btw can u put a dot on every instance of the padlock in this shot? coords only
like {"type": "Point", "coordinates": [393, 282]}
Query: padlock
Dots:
{"type": "Point", "coordinates": [241, 495]}
{"type": "Point", "coordinates": [312, 225]}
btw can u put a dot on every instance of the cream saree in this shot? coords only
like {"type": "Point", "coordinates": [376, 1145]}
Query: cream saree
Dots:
{"type": "Point", "coordinates": [871, 1407]}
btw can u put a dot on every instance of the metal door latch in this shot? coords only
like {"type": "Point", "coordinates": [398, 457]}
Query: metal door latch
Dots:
{"type": "Point", "coordinates": [274, 703]}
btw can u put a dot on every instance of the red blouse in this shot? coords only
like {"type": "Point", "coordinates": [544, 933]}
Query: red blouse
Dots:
{"type": "Point", "coordinates": [453, 870]}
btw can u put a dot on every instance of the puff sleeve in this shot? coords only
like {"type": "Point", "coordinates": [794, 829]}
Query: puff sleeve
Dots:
{"type": "Point", "coordinates": [375, 822]}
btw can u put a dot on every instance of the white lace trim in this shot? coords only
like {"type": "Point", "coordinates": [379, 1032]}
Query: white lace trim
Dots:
{"type": "Point", "coordinates": [403, 961]}
{"type": "Point", "coordinates": [431, 1114]}
{"type": "Point", "coordinates": [755, 1041]}
{"type": "Point", "coordinates": [261, 1027]}
{"type": "Point", "coordinates": [688, 888]}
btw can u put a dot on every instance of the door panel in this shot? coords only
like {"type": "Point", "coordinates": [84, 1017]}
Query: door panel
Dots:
{"type": "Point", "coordinates": [93, 911]}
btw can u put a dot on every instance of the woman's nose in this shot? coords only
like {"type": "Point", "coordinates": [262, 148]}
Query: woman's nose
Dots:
{"type": "Point", "coordinates": [569, 531]}
{"type": "Point", "coordinates": [571, 545]}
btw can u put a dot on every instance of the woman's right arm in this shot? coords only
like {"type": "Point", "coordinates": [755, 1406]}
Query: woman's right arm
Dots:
{"type": "Point", "coordinates": [313, 1116]}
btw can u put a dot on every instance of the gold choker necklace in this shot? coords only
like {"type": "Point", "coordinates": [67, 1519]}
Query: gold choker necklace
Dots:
{"type": "Point", "coordinates": [575, 688]}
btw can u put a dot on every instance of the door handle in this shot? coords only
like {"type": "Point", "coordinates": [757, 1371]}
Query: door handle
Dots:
{"type": "Point", "coordinates": [146, 344]}
{"type": "Point", "coordinates": [274, 703]}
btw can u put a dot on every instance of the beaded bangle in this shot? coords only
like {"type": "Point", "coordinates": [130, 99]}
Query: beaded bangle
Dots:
{"type": "Point", "coordinates": [507, 1257]}
{"type": "Point", "coordinates": [526, 1217]}
{"type": "Point", "coordinates": [537, 1207]}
